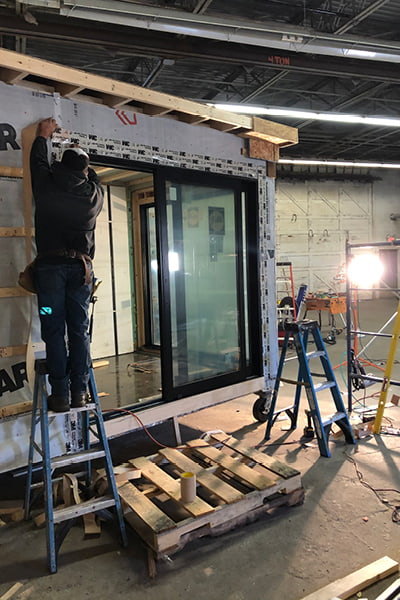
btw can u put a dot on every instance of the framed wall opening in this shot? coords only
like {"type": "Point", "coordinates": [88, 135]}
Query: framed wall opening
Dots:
{"type": "Point", "coordinates": [191, 244]}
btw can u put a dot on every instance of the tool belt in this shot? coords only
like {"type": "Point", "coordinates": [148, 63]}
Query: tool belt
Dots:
{"type": "Point", "coordinates": [75, 254]}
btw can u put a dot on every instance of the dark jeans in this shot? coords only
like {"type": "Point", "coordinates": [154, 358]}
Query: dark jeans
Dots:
{"type": "Point", "coordinates": [63, 302]}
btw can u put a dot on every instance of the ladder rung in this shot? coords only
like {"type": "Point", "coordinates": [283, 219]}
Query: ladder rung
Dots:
{"type": "Point", "coordinates": [76, 510]}
{"type": "Point", "coordinates": [40, 484]}
{"type": "Point", "coordinates": [77, 457]}
{"type": "Point", "coordinates": [88, 406]}
{"type": "Point", "coordinates": [315, 354]}
{"type": "Point", "coordinates": [281, 410]}
{"type": "Point", "coordinates": [294, 381]}
{"type": "Point", "coordinates": [324, 386]}
{"type": "Point", "coordinates": [336, 417]}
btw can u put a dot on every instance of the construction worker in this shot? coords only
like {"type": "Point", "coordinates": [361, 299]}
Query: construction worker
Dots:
{"type": "Point", "coordinates": [68, 198]}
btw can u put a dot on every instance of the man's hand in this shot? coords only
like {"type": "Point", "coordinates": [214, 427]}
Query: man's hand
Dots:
{"type": "Point", "coordinates": [47, 127]}
{"type": "Point", "coordinates": [92, 175]}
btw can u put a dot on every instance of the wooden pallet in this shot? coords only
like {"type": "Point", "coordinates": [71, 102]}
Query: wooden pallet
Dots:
{"type": "Point", "coordinates": [235, 485]}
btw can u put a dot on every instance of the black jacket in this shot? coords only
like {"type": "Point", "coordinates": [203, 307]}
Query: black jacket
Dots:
{"type": "Point", "coordinates": [67, 204]}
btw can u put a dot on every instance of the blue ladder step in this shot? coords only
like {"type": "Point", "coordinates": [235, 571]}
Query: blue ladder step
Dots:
{"type": "Point", "coordinates": [281, 410]}
{"type": "Point", "coordinates": [76, 510]}
{"type": "Point", "coordinates": [324, 386]}
{"type": "Point", "coordinates": [338, 416]}
{"type": "Point", "coordinates": [76, 458]}
{"type": "Point", "coordinates": [89, 406]}
{"type": "Point", "coordinates": [315, 354]}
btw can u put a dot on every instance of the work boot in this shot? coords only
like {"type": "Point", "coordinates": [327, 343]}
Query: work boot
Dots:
{"type": "Point", "coordinates": [78, 399]}
{"type": "Point", "coordinates": [58, 403]}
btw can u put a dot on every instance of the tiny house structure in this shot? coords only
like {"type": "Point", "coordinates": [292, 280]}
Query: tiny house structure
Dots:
{"type": "Point", "coordinates": [184, 245]}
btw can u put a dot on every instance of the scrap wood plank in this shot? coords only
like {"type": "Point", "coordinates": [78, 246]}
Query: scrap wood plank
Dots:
{"type": "Point", "coordinates": [170, 486]}
{"type": "Point", "coordinates": [91, 525]}
{"type": "Point", "coordinates": [13, 590]}
{"type": "Point", "coordinates": [255, 479]}
{"type": "Point", "coordinates": [211, 482]}
{"type": "Point", "coordinates": [359, 580]}
{"type": "Point", "coordinates": [70, 489]}
{"type": "Point", "coordinates": [266, 461]}
{"type": "Point", "coordinates": [150, 514]}
{"type": "Point", "coordinates": [8, 507]}
{"type": "Point", "coordinates": [122, 474]}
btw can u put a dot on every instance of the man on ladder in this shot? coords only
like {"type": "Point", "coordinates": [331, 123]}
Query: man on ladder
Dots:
{"type": "Point", "coordinates": [68, 198]}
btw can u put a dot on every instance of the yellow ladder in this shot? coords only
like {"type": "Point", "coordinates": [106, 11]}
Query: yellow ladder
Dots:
{"type": "Point", "coordinates": [388, 373]}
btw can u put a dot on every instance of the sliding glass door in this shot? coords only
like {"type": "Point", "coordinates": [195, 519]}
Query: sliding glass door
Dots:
{"type": "Point", "coordinates": [208, 335]}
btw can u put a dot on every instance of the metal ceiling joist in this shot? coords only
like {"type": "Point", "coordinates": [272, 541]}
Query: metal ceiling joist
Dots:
{"type": "Point", "coordinates": [25, 70]}
{"type": "Point", "coordinates": [364, 14]}
{"type": "Point", "coordinates": [242, 31]}
{"type": "Point", "coordinates": [161, 44]}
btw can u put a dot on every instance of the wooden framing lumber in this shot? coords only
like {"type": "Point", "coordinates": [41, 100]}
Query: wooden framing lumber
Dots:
{"type": "Point", "coordinates": [262, 149]}
{"type": "Point", "coordinates": [359, 580]}
{"type": "Point", "coordinates": [6, 351]}
{"type": "Point", "coordinates": [15, 409]}
{"type": "Point", "coordinates": [11, 172]}
{"type": "Point", "coordinates": [28, 135]}
{"type": "Point", "coordinates": [15, 67]}
{"type": "Point", "coordinates": [15, 231]}
{"type": "Point", "coordinates": [13, 292]}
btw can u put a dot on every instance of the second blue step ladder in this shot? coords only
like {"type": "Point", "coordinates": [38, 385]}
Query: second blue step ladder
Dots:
{"type": "Point", "coordinates": [300, 334]}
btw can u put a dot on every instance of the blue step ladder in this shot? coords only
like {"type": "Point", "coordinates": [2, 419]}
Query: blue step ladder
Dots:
{"type": "Point", "coordinates": [299, 334]}
{"type": "Point", "coordinates": [60, 520]}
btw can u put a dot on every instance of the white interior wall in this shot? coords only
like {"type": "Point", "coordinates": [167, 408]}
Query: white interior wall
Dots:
{"type": "Point", "coordinates": [386, 201]}
{"type": "Point", "coordinates": [122, 273]}
{"type": "Point", "coordinates": [104, 335]}
{"type": "Point", "coordinates": [103, 326]}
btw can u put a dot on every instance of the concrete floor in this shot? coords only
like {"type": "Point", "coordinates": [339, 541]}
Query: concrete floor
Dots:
{"type": "Point", "coordinates": [341, 526]}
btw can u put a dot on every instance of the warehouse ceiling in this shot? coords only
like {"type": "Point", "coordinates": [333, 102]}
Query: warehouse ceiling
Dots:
{"type": "Point", "coordinates": [329, 56]}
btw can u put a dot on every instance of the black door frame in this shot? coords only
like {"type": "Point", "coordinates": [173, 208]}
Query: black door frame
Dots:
{"type": "Point", "coordinates": [254, 366]}
{"type": "Point", "coordinates": [160, 175]}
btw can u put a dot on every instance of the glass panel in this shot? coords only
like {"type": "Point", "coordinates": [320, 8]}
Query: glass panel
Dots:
{"type": "Point", "coordinates": [203, 282]}
{"type": "Point", "coordinates": [152, 299]}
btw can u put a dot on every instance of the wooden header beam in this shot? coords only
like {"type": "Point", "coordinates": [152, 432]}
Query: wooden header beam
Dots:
{"type": "Point", "coordinates": [19, 69]}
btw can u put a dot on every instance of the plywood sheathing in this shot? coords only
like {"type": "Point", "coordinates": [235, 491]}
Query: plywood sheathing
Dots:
{"type": "Point", "coordinates": [19, 69]}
